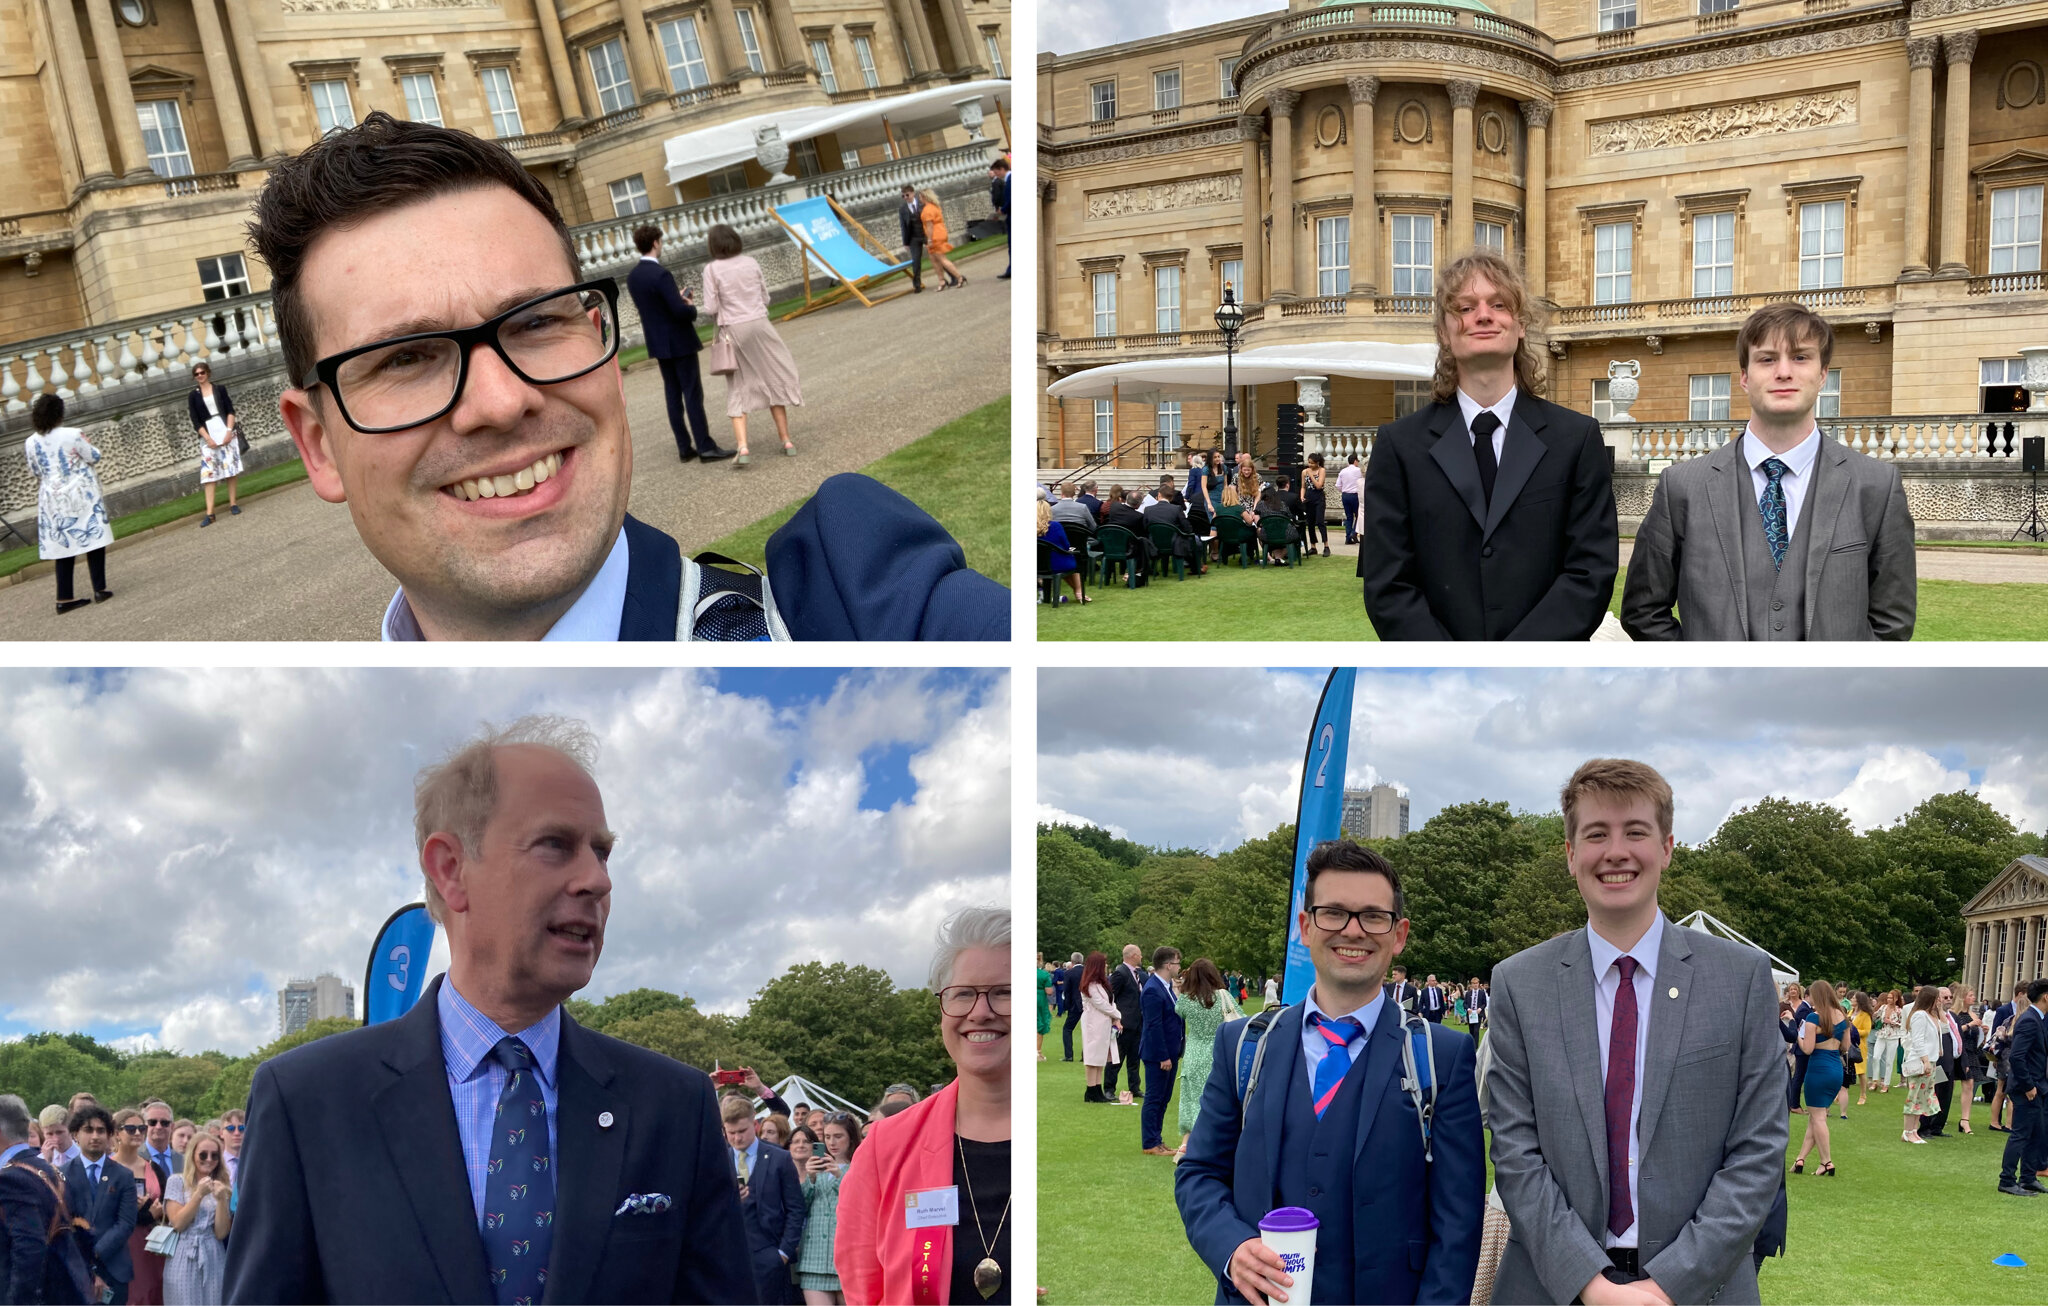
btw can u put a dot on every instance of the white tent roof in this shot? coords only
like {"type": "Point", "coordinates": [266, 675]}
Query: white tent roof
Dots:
{"type": "Point", "coordinates": [1273, 364]}
{"type": "Point", "coordinates": [710, 149]}
{"type": "Point", "coordinates": [1782, 972]}
{"type": "Point", "coordinates": [801, 1092]}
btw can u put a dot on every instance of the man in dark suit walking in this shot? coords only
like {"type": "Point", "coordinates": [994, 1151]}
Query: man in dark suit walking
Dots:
{"type": "Point", "coordinates": [2026, 1149]}
{"type": "Point", "coordinates": [1476, 1000]}
{"type": "Point", "coordinates": [28, 1203]}
{"type": "Point", "coordinates": [1433, 1004]}
{"type": "Point", "coordinates": [1160, 1047]}
{"type": "Point", "coordinates": [485, 1146]}
{"type": "Point", "coordinates": [910, 225]}
{"type": "Point", "coordinates": [1071, 986]}
{"type": "Point", "coordinates": [771, 1200]}
{"type": "Point", "coordinates": [1126, 992]}
{"type": "Point", "coordinates": [101, 1190]}
{"type": "Point", "coordinates": [669, 321]}
{"type": "Point", "coordinates": [1489, 514]}
{"type": "Point", "coordinates": [1782, 533]}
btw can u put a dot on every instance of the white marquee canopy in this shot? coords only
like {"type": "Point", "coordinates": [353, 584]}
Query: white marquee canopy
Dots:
{"type": "Point", "coordinates": [1782, 972]}
{"type": "Point", "coordinates": [1203, 377]}
{"type": "Point", "coordinates": [712, 149]}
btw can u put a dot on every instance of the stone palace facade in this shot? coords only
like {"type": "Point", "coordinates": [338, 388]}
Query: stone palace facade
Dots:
{"type": "Point", "coordinates": [1660, 168]}
{"type": "Point", "coordinates": [2005, 930]}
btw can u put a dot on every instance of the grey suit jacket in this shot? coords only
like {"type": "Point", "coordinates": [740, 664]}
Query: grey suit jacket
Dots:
{"type": "Point", "coordinates": [1710, 1139]}
{"type": "Point", "coordinates": [1860, 581]}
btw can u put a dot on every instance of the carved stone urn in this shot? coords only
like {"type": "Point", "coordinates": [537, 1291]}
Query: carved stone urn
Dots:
{"type": "Point", "coordinates": [772, 153]}
{"type": "Point", "coordinates": [1622, 387]}
{"type": "Point", "coordinates": [2036, 380]}
{"type": "Point", "coordinates": [1309, 392]}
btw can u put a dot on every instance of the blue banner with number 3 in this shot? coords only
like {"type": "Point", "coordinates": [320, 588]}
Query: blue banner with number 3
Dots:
{"type": "Point", "coordinates": [398, 965]}
{"type": "Point", "coordinates": [1320, 816]}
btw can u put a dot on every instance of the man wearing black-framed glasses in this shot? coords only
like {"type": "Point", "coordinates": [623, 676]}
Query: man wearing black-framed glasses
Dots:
{"type": "Point", "coordinates": [455, 382]}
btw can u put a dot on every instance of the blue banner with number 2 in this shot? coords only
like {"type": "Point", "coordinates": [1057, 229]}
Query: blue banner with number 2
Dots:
{"type": "Point", "coordinates": [398, 965]}
{"type": "Point", "coordinates": [1320, 816]}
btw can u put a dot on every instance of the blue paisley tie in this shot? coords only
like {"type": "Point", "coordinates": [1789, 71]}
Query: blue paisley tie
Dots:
{"type": "Point", "coordinates": [519, 1186]}
{"type": "Point", "coordinates": [1772, 505]}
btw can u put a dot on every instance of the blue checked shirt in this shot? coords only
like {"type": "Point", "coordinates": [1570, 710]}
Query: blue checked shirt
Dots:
{"type": "Point", "coordinates": [476, 1082]}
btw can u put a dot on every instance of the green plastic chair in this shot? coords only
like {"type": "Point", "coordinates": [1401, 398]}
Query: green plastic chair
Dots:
{"type": "Point", "coordinates": [1273, 535]}
{"type": "Point", "coordinates": [1119, 550]}
{"type": "Point", "coordinates": [1163, 555]}
{"type": "Point", "coordinates": [1233, 537]}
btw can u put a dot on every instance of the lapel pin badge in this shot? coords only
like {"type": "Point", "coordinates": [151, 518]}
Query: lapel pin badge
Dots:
{"type": "Point", "coordinates": [604, 1118]}
{"type": "Point", "coordinates": [1674, 990]}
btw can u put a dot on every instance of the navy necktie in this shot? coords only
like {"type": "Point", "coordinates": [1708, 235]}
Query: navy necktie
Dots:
{"type": "Point", "coordinates": [92, 1176]}
{"type": "Point", "coordinates": [1483, 427]}
{"type": "Point", "coordinates": [519, 1184]}
{"type": "Point", "coordinates": [1772, 506]}
{"type": "Point", "coordinates": [1336, 1062]}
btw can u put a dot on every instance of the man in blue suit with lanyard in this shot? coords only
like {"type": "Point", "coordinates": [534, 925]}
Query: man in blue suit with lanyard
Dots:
{"type": "Point", "coordinates": [1160, 1044]}
{"type": "Point", "coordinates": [1328, 1123]}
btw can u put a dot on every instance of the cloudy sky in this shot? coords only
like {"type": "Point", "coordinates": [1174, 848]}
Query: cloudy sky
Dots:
{"type": "Point", "coordinates": [1067, 26]}
{"type": "Point", "coordinates": [1209, 758]}
{"type": "Point", "coordinates": [179, 843]}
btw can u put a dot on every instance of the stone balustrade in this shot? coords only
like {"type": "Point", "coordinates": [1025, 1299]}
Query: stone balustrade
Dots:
{"type": "Point", "coordinates": [1329, 19]}
{"type": "Point", "coordinates": [1688, 23]}
{"type": "Point", "coordinates": [1872, 303]}
{"type": "Point", "coordinates": [97, 367]}
{"type": "Point", "coordinates": [1337, 444]}
{"type": "Point", "coordinates": [1964, 438]}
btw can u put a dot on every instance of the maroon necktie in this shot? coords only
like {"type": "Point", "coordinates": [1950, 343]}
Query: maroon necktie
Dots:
{"type": "Point", "coordinates": [1621, 1094]}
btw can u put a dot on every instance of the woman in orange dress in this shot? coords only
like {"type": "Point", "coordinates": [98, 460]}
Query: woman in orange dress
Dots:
{"type": "Point", "coordinates": [935, 242]}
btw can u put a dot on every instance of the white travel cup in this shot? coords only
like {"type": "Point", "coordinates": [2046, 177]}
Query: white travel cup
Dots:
{"type": "Point", "coordinates": [1291, 1232]}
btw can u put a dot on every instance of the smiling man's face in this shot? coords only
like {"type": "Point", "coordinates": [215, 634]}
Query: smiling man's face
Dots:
{"type": "Point", "coordinates": [1618, 853]}
{"type": "Point", "coordinates": [504, 567]}
{"type": "Point", "coordinates": [1483, 326]}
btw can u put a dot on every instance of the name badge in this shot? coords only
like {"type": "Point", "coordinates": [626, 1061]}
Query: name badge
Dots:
{"type": "Point", "coordinates": [931, 1208]}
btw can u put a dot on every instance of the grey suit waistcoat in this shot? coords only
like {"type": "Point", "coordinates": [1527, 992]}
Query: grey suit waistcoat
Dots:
{"type": "Point", "coordinates": [1777, 597]}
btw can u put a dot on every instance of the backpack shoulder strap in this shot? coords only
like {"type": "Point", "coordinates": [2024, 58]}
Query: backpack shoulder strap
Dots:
{"type": "Point", "coordinates": [705, 583]}
{"type": "Point", "coordinates": [1418, 1074]}
{"type": "Point", "coordinates": [1251, 1053]}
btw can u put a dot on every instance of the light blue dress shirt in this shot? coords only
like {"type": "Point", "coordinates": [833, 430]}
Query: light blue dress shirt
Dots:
{"type": "Point", "coordinates": [1607, 983]}
{"type": "Point", "coordinates": [1315, 1047]}
{"type": "Point", "coordinates": [476, 1082]}
{"type": "Point", "coordinates": [594, 617]}
{"type": "Point", "coordinates": [14, 1151]}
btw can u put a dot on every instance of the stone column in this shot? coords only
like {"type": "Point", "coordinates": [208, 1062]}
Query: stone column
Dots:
{"type": "Point", "coordinates": [1463, 96]}
{"type": "Point", "coordinates": [1253, 290]}
{"type": "Point", "coordinates": [920, 30]}
{"type": "Point", "coordinates": [790, 47]}
{"type": "Point", "coordinates": [723, 33]}
{"type": "Point", "coordinates": [1283, 103]}
{"type": "Point", "coordinates": [255, 79]}
{"type": "Point", "coordinates": [227, 97]}
{"type": "Point", "coordinates": [76, 81]}
{"type": "Point", "coordinates": [1048, 257]}
{"type": "Point", "coordinates": [1365, 211]}
{"type": "Point", "coordinates": [958, 33]}
{"type": "Point", "coordinates": [106, 42]}
{"type": "Point", "coordinates": [568, 93]}
{"type": "Point", "coordinates": [1920, 55]}
{"type": "Point", "coordinates": [647, 70]}
{"type": "Point", "coordinates": [1960, 48]}
{"type": "Point", "coordinates": [1536, 198]}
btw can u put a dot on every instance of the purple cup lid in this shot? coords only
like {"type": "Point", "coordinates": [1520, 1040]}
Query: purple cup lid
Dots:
{"type": "Point", "coordinates": [1290, 1219]}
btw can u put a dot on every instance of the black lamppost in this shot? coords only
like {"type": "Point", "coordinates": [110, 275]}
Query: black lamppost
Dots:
{"type": "Point", "coordinates": [1229, 319]}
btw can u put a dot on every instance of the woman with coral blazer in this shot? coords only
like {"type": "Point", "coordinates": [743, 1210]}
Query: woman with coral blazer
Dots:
{"type": "Point", "coordinates": [935, 242]}
{"type": "Point", "coordinates": [957, 1138]}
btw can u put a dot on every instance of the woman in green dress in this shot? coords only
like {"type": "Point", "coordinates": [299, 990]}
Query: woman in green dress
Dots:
{"type": "Point", "coordinates": [1044, 1004]}
{"type": "Point", "coordinates": [1204, 1004]}
{"type": "Point", "coordinates": [821, 1163]}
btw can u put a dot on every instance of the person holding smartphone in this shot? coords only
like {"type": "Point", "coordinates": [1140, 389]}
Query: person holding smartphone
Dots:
{"type": "Point", "coordinates": [822, 1158]}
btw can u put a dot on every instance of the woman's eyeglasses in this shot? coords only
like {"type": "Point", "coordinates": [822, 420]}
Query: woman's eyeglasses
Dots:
{"type": "Point", "coordinates": [960, 1000]}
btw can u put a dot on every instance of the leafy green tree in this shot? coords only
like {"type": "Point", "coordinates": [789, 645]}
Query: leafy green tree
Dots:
{"type": "Point", "coordinates": [848, 1029]}
{"type": "Point", "coordinates": [635, 1004]}
{"type": "Point", "coordinates": [47, 1068]}
{"type": "Point", "coordinates": [1237, 914]}
{"type": "Point", "coordinates": [1102, 843]}
{"type": "Point", "coordinates": [700, 1040]}
{"type": "Point", "coordinates": [181, 1081]}
{"type": "Point", "coordinates": [230, 1090]}
{"type": "Point", "coordinates": [1111, 886]}
{"type": "Point", "coordinates": [1541, 900]}
{"type": "Point", "coordinates": [1454, 871]}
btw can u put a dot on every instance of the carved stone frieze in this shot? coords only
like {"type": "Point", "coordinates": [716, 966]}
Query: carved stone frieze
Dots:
{"type": "Point", "coordinates": [1463, 94]}
{"type": "Point", "coordinates": [1536, 112]}
{"type": "Point", "coordinates": [1724, 122]}
{"type": "Point", "coordinates": [1149, 147]}
{"type": "Point", "coordinates": [1737, 55]}
{"type": "Point", "coordinates": [1925, 9]}
{"type": "Point", "coordinates": [380, 6]}
{"type": "Point", "coordinates": [1183, 193]}
{"type": "Point", "coordinates": [1958, 47]}
{"type": "Point", "coordinates": [1251, 126]}
{"type": "Point", "coordinates": [1364, 90]}
{"type": "Point", "coordinates": [1922, 51]}
{"type": "Point", "coordinates": [2026, 889]}
{"type": "Point", "coordinates": [1391, 49]}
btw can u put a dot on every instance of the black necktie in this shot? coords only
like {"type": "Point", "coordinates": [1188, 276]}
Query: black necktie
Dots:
{"type": "Point", "coordinates": [1483, 427]}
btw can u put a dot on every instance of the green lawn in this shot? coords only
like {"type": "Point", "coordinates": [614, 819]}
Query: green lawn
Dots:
{"type": "Point", "coordinates": [951, 473]}
{"type": "Point", "coordinates": [1103, 1203]}
{"type": "Point", "coordinates": [1322, 599]}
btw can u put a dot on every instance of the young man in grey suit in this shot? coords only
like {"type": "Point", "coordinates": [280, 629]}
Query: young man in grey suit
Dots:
{"type": "Point", "coordinates": [1782, 534]}
{"type": "Point", "coordinates": [1658, 1046]}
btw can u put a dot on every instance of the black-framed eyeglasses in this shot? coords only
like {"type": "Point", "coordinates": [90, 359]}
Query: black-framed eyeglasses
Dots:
{"type": "Point", "coordinates": [408, 381]}
{"type": "Point", "coordinates": [960, 1000]}
{"type": "Point", "coordinates": [1334, 920]}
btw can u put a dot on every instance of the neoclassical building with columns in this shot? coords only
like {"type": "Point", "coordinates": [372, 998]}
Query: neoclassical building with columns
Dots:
{"type": "Point", "coordinates": [1659, 169]}
{"type": "Point", "coordinates": [2005, 939]}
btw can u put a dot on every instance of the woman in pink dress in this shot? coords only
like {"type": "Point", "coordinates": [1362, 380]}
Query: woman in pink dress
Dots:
{"type": "Point", "coordinates": [736, 294]}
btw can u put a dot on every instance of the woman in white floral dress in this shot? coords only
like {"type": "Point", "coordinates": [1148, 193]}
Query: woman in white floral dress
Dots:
{"type": "Point", "coordinates": [71, 515]}
{"type": "Point", "coordinates": [198, 1202]}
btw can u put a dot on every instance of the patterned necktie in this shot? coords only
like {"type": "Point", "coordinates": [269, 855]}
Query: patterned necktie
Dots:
{"type": "Point", "coordinates": [1483, 427]}
{"type": "Point", "coordinates": [1772, 505]}
{"type": "Point", "coordinates": [1621, 1096]}
{"type": "Point", "coordinates": [519, 1186]}
{"type": "Point", "coordinates": [1336, 1062]}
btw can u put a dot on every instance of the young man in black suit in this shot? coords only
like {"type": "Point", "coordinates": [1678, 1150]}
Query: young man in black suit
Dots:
{"type": "Point", "coordinates": [771, 1200]}
{"type": "Point", "coordinates": [376, 1169]}
{"type": "Point", "coordinates": [1071, 987]}
{"type": "Point", "coordinates": [1489, 514]}
{"type": "Point", "coordinates": [101, 1190]}
{"type": "Point", "coordinates": [669, 321]}
{"type": "Point", "coordinates": [910, 225]}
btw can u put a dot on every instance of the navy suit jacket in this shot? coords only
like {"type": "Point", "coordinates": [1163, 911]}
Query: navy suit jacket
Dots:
{"type": "Point", "coordinates": [1416, 1225]}
{"type": "Point", "coordinates": [1164, 1035]}
{"type": "Point", "coordinates": [1432, 998]}
{"type": "Point", "coordinates": [353, 1187]}
{"type": "Point", "coordinates": [29, 1206]}
{"type": "Point", "coordinates": [670, 322]}
{"type": "Point", "coordinates": [2029, 1055]}
{"type": "Point", "coordinates": [111, 1210]}
{"type": "Point", "coordinates": [775, 1210]}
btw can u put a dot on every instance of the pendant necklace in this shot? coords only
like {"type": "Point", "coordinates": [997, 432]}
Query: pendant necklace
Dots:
{"type": "Point", "coordinates": [988, 1276]}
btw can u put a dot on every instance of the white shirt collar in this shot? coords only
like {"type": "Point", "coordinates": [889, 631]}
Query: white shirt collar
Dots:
{"type": "Point", "coordinates": [1645, 951]}
{"type": "Point", "coordinates": [1367, 1016]}
{"type": "Point", "coordinates": [1799, 458]}
{"type": "Point", "coordinates": [594, 617]}
{"type": "Point", "coordinates": [1471, 407]}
